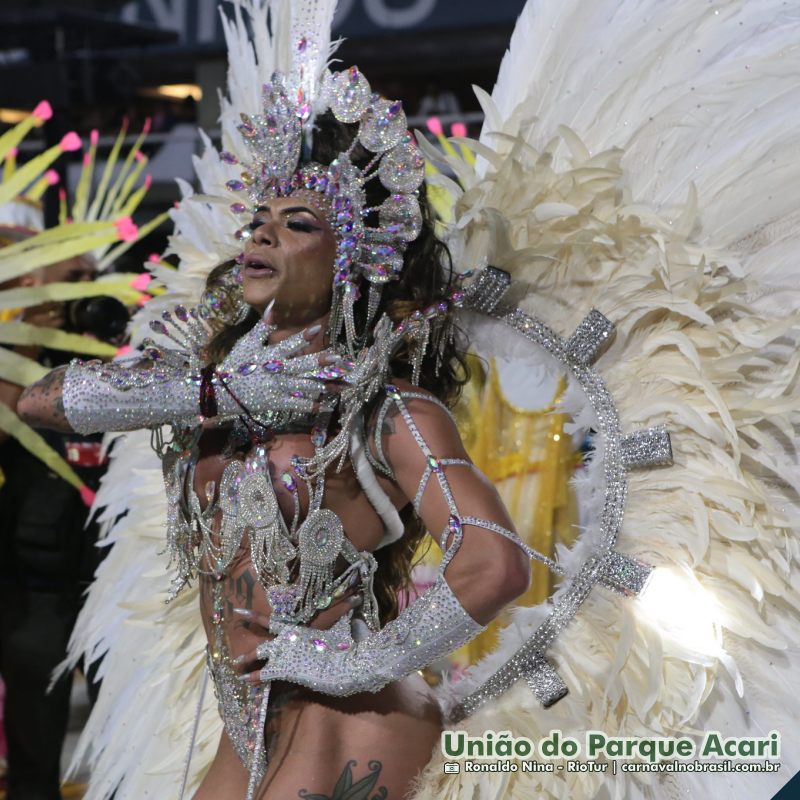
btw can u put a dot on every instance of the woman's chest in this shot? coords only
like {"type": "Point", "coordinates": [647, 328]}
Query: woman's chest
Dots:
{"type": "Point", "coordinates": [256, 479]}
{"type": "Point", "coordinates": [304, 540]}
{"type": "Point", "coordinates": [259, 486]}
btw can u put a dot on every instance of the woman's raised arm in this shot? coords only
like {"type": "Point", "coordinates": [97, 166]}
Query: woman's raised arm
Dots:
{"type": "Point", "coordinates": [144, 393]}
{"type": "Point", "coordinates": [41, 404]}
{"type": "Point", "coordinates": [484, 567]}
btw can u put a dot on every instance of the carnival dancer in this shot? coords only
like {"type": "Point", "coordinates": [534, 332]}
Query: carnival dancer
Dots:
{"type": "Point", "coordinates": [697, 386]}
{"type": "Point", "coordinates": [283, 496]}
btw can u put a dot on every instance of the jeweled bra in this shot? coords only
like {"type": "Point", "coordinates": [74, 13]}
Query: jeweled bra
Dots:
{"type": "Point", "coordinates": [294, 563]}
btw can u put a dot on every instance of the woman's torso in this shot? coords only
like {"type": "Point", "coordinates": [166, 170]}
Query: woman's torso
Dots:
{"type": "Point", "coordinates": [303, 726]}
{"type": "Point", "coordinates": [241, 585]}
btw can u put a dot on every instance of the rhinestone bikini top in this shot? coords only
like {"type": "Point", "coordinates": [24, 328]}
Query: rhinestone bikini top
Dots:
{"type": "Point", "coordinates": [295, 563]}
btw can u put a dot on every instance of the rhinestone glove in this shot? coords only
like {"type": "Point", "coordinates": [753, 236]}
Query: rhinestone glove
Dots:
{"type": "Point", "coordinates": [267, 380]}
{"type": "Point", "coordinates": [335, 663]}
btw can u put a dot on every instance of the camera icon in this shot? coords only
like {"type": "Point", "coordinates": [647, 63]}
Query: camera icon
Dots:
{"type": "Point", "coordinates": [452, 766]}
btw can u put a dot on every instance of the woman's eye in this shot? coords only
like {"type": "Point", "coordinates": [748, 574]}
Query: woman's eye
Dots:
{"type": "Point", "coordinates": [292, 224]}
{"type": "Point", "coordinates": [300, 225]}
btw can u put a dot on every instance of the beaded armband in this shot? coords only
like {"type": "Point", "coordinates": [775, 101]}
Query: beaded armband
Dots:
{"type": "Point", "coordinates": [436, 467]}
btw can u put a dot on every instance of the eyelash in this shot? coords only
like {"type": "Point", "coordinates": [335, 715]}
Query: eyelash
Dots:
{"type": "Point", "coordinates": [295, 225]}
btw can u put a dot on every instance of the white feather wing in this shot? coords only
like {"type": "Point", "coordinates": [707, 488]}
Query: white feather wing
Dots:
{"type": "Point", "coordinates": [633, 159]}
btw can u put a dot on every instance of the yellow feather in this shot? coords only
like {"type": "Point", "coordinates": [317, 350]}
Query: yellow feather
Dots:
{"type": "Point", "coordinates": [23, 333]}
{"type": "Point", "coordinates": [117, 187]}
{"type": "Point", "coordinates": [84, 184]}
{"type": "Point", "coordinates": [25, 297]}
{"type": "Point", "coordinates": [11, 138]}
{"type": "Point", "coordinates": [27, 174]}
{"type": "Point", "coordinates": [57, 251]}
{"type": "Point", "coordinates": [106, 176]}
{"type": "Point", "coordinates": [115, 252]}
{"type": "Point", "coordinates": [15, 368]}
{"type": "Point", "coordinates": [36, 445]}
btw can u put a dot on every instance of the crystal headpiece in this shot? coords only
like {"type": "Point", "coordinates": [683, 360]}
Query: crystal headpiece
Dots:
{"type": "Point", "coordinates": [276, 140]}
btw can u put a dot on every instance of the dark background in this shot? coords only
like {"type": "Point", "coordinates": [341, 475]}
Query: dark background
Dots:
{"type": "Point", "coordinates": [99, 62]}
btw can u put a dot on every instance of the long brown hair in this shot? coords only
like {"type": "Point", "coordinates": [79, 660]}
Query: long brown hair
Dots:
{"type": "Point", "coordinates": [427, 278]}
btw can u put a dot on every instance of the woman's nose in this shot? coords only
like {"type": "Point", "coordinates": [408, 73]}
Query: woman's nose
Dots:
{"type": "Point", "coordinates": [263, 233]}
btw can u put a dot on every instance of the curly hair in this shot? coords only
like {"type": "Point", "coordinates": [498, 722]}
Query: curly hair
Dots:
{"type": "Point", "coordinates": [427, 278]}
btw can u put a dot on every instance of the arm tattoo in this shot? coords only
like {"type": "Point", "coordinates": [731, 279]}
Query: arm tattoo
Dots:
{"type": "Point", "coordinates": [47, 394]}
{"type": "Point", "coordinates": [345, 789]}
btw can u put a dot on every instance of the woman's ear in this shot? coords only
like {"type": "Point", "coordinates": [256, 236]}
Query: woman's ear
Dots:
{"type": "Point", "coordinates": [35, 278]}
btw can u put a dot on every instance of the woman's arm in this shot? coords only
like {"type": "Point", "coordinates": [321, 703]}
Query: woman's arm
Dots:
{"type": "Point", "coordinates": [488, 570]}
{"type": "Point", "coordinates": [145, 393]}
{"type": "Point", "coordinates": [42, 403]}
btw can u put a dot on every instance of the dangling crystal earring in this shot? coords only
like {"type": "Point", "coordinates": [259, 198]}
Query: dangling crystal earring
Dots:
{"type": "Point", "coordinates": [239, 309]}
{"type": "Point", "coordinates": [224, 299]}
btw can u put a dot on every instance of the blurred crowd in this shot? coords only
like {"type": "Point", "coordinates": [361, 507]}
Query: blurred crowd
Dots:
{"type": "Point", "coordinates": [48, 543]}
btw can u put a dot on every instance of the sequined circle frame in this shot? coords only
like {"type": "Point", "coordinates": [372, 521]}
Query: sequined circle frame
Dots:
{"type": "Point", "coordinates": [650, 447]}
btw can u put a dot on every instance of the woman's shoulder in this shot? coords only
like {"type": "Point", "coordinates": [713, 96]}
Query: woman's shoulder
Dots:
{"type": "Point", "coordinates": [403, 400]}
{"type": "Point", "coordinates": [404, 394]}
{"type": "Point", "coordinates": [408, 420]}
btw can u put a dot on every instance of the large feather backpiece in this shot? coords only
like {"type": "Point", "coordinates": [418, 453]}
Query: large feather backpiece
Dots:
{"type": "Point", "coordinates": [630, 162]}
{"type": "Point", "coordinates": [599, 183]}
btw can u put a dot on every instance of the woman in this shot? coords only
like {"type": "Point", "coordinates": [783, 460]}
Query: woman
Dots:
{"type": "Point", "coordinates": [290, 440]}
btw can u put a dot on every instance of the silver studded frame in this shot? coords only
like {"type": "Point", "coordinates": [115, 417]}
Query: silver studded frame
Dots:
{"type": "Point", "coordinates": [641, 449]}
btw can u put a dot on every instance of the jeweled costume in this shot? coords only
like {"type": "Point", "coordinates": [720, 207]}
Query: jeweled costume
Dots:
{"type": "Point", "coordinates": [690, 350]}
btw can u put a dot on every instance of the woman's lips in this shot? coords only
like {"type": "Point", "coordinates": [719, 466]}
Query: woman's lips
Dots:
{"type": "Point", "coordinates": [256, 269]}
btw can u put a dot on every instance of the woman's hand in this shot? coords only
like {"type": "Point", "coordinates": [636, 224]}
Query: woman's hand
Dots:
{"type": "Point", "coordinates": [345, 660]}
{"type": "Point", "coordinates": [250, 663]}
{"type": "Point", "coordinates": [268, 382]}
{"type": "Point", "coordinates": [289, 375]}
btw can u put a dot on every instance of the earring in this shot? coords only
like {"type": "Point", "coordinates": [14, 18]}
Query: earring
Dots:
{"type": "Point", "coordinates": [224, 299]}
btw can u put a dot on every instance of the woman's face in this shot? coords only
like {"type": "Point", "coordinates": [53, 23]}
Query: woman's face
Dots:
{"type": "Point", "coordinates": [289, 259]}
